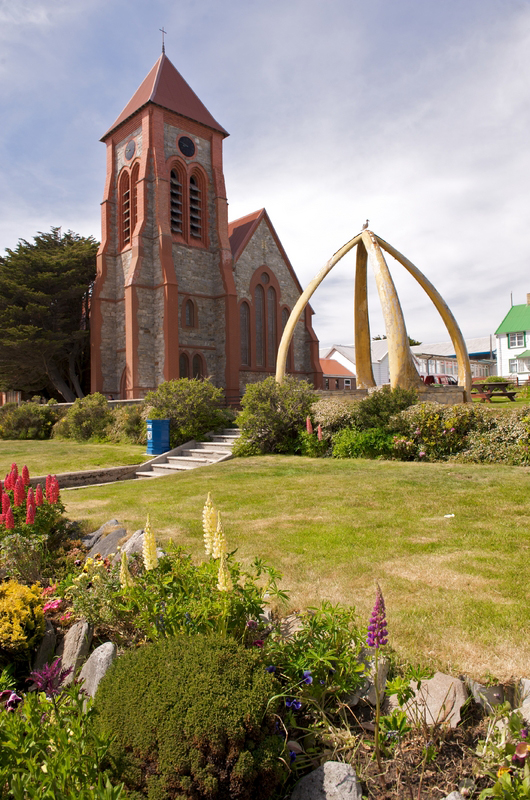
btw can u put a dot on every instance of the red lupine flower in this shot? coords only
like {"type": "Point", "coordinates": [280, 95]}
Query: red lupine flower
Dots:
{"type": "Point", "coordinates": [14, 471]}
{"type": "Point", "coordinates": [54, 491]}
{"type": "Point", "coordinates": [39, 499]}
{"type": "Point", "coordinates": [20, 492]}
{"type": "Point", "coordinates": [5, 504]}
{"type": "Point", "coordinates": [25, 475]}
{"type": "Point", "coordinates": [319, 433]}
{"type": "Point", "coordinates": [308, 425]}
{"type": "Point", "coordinates": [49, 488]}
{"type": "Point", "coordinates": [30, 499]}
{"type": "Point", "coordinates": [9, 520]}
{"type": "Point", "coordinates": [30, 514]}
{"type": "Point", "coordinates": [7, 482]}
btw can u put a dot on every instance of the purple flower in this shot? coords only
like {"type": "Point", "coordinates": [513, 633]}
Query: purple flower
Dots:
{"type": "Point", "coordinates": [307, 677]}
{"type": "Point", "coordinates": [292, 756]}
{"type": "Point", "coordinates": [10, 700]}
{"type": "Point", "coordinates": [258, 643]}
{"type": "Point", "coordinates": [252, 624]}
{"type": "Point", "coordinates": [377, 631]}
{"type": "Point", "coordinates": [50, 678]}
{"type": "Point", "coordinates": [421, 454]}
{"type": "Point", "coordinates": [270, 668]}
{"type": "Point", "coordinates": [291, 702]}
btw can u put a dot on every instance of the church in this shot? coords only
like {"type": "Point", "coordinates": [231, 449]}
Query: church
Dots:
{"type": "Point", "coordinates": [181, 292]}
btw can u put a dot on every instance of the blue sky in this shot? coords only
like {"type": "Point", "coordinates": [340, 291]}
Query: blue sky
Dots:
{"type": "Point", "coordinates": [415, 114]}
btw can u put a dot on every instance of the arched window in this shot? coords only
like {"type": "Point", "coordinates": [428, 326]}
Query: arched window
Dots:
{"type": "Point", "coordinates": [125, 210]}
{"type": "Point", "coordinates": [184, 366]}
{"type": "Point", "coordinates": [134, 196]}
{"type": "Point", "coordinates": [176, 209]}
{"type": "Point", "coordinates": [195, 208]}
{"type": "Point", "coordinates": [271, 327]}
{"type": "Point", "coordinates": [198, 371]}
{"type": "Point", "coordinates": [189, 314]}
{"type": "Point", "coordinates": [259, 306]}
{"type": "Point", "coordinates": [285, 316]}
{"type": "Point", "coordinates": [244, 325]}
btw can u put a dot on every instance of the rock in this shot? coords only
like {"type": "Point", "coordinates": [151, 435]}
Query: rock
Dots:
{"type": "Point", "coordinates": [486, 696]}
{"type": "Point", "coordinates": [96, 666]}
{"type": "Point", "coordinates": [438, 700]}
{"type": "Point", "coordinates": [90, 539]}
{"type": "Point", "coordinates": [332, 781]}
{"type": "Point", "coordinates": [74, 647]}
{"type": "Point", "coordinates": [290, 625]}
{"type": "Point", "coordinates": [134, 544]}
{"type": "Point", "coordinates": [524, 710]}
{"type": "Point", "coordinates": [524, 691]}
{"type": "Point", "coordinates": [455, 796]}
{"type": "Point", "coordinates": [46, 649]}
{"type": "Point", "coordinates": [108, 543]}
{"type": "Point", "coordinates": [367, 691]}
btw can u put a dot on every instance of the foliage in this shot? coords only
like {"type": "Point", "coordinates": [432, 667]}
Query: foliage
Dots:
{"type": "Point", "coordinates": [376, 410]}
{"type": "Point", "coordinates": [494, 379]}
{"type": "Point", "coordinates": [505, 755]}
{"type": "Point", "coordinates": [272, 416]}
{"type": "Point", "coordinates": [503, 439]}
{"type": "Point", "coordinates": [431, 431]}
{"type": "Point", "coordinates": [369, 443]}
{"type": "Point", "coordinates": [127, 425]}
{"type": "Point", "coordinates": [88, 418]}
{"type": "Point", "coordinates": [193, 406]}
{"type": "Point", "coordinates": [28, 420]}
{"type": "Point", "coordinates": [49, 749]}
{"type": "Point", "coordinates": [21, 619]}
{"type": "Point", "coordinates": [332, 415]}
{"type": "Point", "coordinates": [308, 444]}
{"type": "Point", "coordinates": [524, 393]}
{"type": "Point", "coordinates": [191, 718]}
{"type": "Point", "coordinates": [44, 300]}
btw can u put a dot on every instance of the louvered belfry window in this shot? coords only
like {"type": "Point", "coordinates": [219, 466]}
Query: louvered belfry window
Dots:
{"type": "Point", "coordinates": [184, 366]}
{"type": "Point", "coordinates": [125, 207]}
{"type": "Point", "coordinates": [195, 209]}
{"type": "Point", "coordinates": [134, 191]}
{"type": "Point", "coordinates": [176, 203]}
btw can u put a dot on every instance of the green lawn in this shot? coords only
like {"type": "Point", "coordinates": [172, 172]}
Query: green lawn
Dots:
{"type": "Point", "coordinates": [456, 587]}
{"type": "Point", "coordinates": [55, 456]}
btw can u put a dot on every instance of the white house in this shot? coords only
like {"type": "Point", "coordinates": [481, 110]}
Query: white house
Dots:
{"type": "Point", "coordinates": [513, 342]}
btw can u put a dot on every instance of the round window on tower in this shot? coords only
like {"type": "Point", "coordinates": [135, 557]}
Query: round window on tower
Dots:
{"type": "Point", "coordinates": [129, 149]}
{"type": "Point", "coordinates": [186, 146]}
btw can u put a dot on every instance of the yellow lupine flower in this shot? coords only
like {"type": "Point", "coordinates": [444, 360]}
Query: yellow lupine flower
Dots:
{"type": "Point", "coordinates": [208, 524]}
{"type": "Point", "coordinates": [219, 541]}
{"type": "Point", "coordinates": [224, 583]}
{"type": "Point", "coordinates": [149, 549]}
{"type": "Point", "coordinates": [126, 579]}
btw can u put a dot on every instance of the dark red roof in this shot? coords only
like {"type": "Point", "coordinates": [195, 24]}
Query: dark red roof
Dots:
{"type": "Point", "coordinates": [240, 231]}
{"type": "Point", "coordinates": [164, 86]}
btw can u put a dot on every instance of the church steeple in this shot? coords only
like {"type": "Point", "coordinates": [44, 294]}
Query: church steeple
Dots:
{"type": "Point", "coordinates": [165, 87]}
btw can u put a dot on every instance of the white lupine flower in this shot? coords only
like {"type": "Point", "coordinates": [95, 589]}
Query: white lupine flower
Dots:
{"type": "Point", "coordinates": [208, 524]}
{"type": "Point", "coordinates": [126, 579]}
{"type": "Point", "coordinates": [224, 583]}
{"type": "Point", "coordinates": [219, 541]}
{"type": "Point", "coordinates": [149, 549]}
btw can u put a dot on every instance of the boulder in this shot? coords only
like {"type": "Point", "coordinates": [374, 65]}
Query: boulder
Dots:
{"type": "Point", "coordinates": [134, 544]}
{"type": "Point", "coordinates": [96, 666]}
{"type": "Point", "coordinates": [332, 781]}
{"type": "Point", "coordinates": [486, 696]}
{"type": "Point", "coordinates": [46, 649]}
{"type": "Point", "coordinates": [438, 701]}
{"type": "Point", "coordinates": [91, 538]}
{"type": "Point", "coordinates": [108, 543]}
{"type": "Point", "coordinates": [74, 647]}
{"type": "Point", "coordinates": [367, 690]}
{"type": "Point", "coordinates": [455, 796]}
{"type": "Point", "coordinates": [524, 691]}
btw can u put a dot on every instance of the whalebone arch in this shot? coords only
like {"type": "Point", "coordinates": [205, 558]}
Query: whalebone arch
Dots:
{"type": "Point", "coordinates": [403, 372]}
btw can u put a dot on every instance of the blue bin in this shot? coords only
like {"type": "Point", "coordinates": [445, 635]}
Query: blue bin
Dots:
{"type": "Point", "coordinates": [157, 436]}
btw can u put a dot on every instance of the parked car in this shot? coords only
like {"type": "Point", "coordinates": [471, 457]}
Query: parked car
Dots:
{"type": "Point", "coordinates": [445, 380]}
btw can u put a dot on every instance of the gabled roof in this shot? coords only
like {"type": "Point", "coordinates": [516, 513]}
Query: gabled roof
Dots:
{"type": "Point", "coordinates": [517, 319]}
{"type": "Point", "coordinates": [164, 86]}
{"type": "Point", "coordinates": [332, 368]}
{"type": "Point", "coordinates": [378, 350]}
{"type": "Point", "coordinates": [480, 345]}
{"type": "Point", "coordinates": [241, 231]}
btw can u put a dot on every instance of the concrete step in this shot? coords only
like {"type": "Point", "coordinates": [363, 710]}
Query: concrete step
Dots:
{"type": "Point", "coordinates": [201, 455]}
{"type": "Point", "coordinates": [189, 459]}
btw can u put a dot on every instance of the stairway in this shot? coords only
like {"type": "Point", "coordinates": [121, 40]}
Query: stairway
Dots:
{"type": "Point", "coordinates": [192, 455]}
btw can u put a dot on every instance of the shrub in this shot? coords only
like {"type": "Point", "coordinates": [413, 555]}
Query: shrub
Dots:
{"type": "Point", "coordinates": [273, 415]}
{"type": "Point", "coordinates": [376, 410]}
{"type": "Point", "coordinates": [191, 719]}
{"type": "Point", "coordinates": [333, 415]}
{"type": "Point", "coordinates": [503, 439]}
{"type": "Point", "coordinates": [127, 425]}
{"type": "Point", "coordinates": [193, 406]}
{"type": "Point", "coordinates": [370, 443]}
{"type": "Point", "coordinates": [21, 619]}
{"type": "Point", "coordinates": [88, 418]}
{"type": "Point", "coordinates": [28, 420]}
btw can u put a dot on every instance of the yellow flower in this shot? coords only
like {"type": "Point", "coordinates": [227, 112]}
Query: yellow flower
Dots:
{"type": "Point", "coordinates": [126, 579]}
{"type": "Point", "coordinates": [224, 578]}
{"type": "Point", "coordinates": [219, 541]}
{"type": "Point", "coordinates": [503, 771]}
{"type": "Point", "coordinates": [208, 524]}
{"type": "Point", "coordinates": [149, 549]}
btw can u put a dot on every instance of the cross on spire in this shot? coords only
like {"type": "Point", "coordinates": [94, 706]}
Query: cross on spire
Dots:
{"type": "Point", "coordinates": [163, 32]}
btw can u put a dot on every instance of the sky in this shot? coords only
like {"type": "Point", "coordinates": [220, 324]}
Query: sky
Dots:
{"type": "Point", "coordinates": [414, 114]}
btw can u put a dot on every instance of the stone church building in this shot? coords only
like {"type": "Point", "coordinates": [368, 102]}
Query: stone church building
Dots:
{"type": "Point", "coordinates": [180, 291]}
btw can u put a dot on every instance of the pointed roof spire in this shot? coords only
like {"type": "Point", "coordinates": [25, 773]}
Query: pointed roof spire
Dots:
{"type": "Point", "coordinates": [164, 86]}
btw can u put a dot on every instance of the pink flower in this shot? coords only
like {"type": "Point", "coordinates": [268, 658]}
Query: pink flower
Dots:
{"type": "Point", "coordinates": [309, 425]}
{"type": "Point", "coordinates": [9, 519]}
{"type": "Point", "coordinates": [30, 515]}
{"type": "Point", "coordinates": [49, 590]}
{"type": "Point", "coordinates": [20, 492]}
{"type": "Point", "coordinates": [319, 433]}
{"type": "Point", "coordinates": [51, 605]}
{"type": "Point", "coordinates": [25, 475]}
{"type": "Point", "coordinates": [5, 504]}
{"type": "Point", "coordinates": [65, 617]}
{"type": "Point", "coordinates": [14, 472]}
{"type": "Point", "coordinates": [422, 454]}
{"type": "Point", "coordinates": [39, 499]}
{"type": "Point", "coordinates": [49, 488]}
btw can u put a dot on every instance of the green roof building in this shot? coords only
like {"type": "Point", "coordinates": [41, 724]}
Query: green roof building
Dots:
{"type": "Point", "coordinates": [513, 342]}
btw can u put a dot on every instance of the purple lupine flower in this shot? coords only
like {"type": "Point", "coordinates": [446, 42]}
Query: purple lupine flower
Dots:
{"type": "Point", "coordinates": [292, 756]}
{"type": "Point", "coordinates": [307, 677]}
{"type": "Point", "coordinates": [270, 669]}
{"type": "Point", "coordinates": [377, 631]}
{"type": "Point", "coordinates": [292, 702]}
{"type": "Point", "coordinates": [9, 700]}
{"type": "Point", "coordinates": [50, 678]}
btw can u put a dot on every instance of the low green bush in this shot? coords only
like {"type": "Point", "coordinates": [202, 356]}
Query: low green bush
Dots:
{"type": "Point", "coordinates": [192, 717]}
{"type": "Point", "coordinates": [504, 440]}
{"type": "Point", "coordinates": [332, 415]}
{"type": "Point", "coordinates": [194, 407]}
{"type": "Point", "coordinates": [377, 410]}
{"type": "Point", "coordinates": [21, 620]}
{"type": "Point", "coordinates": [127, 425]}
{"type": "Point", "coordinates": [273, 415]}
{"type": "Point", "coordinates": [370, 443]}
{"type": "Point", "coordinates": [28, 420]}
{"type": "Point", "coordinates": [89, 417]}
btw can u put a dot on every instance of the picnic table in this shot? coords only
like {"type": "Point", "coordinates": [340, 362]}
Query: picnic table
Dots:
{"type": "Point", "coordinates": [488, 390]}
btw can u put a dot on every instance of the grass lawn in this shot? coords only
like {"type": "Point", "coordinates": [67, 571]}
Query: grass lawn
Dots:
{"type": "Point", "coordinates": [55, 456]}
{"type": "Point", "coordinates": [456, 587]}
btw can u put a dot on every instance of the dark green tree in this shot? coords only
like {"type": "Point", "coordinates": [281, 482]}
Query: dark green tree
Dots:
{"type": "Point", "coordinates": [45, 290]}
